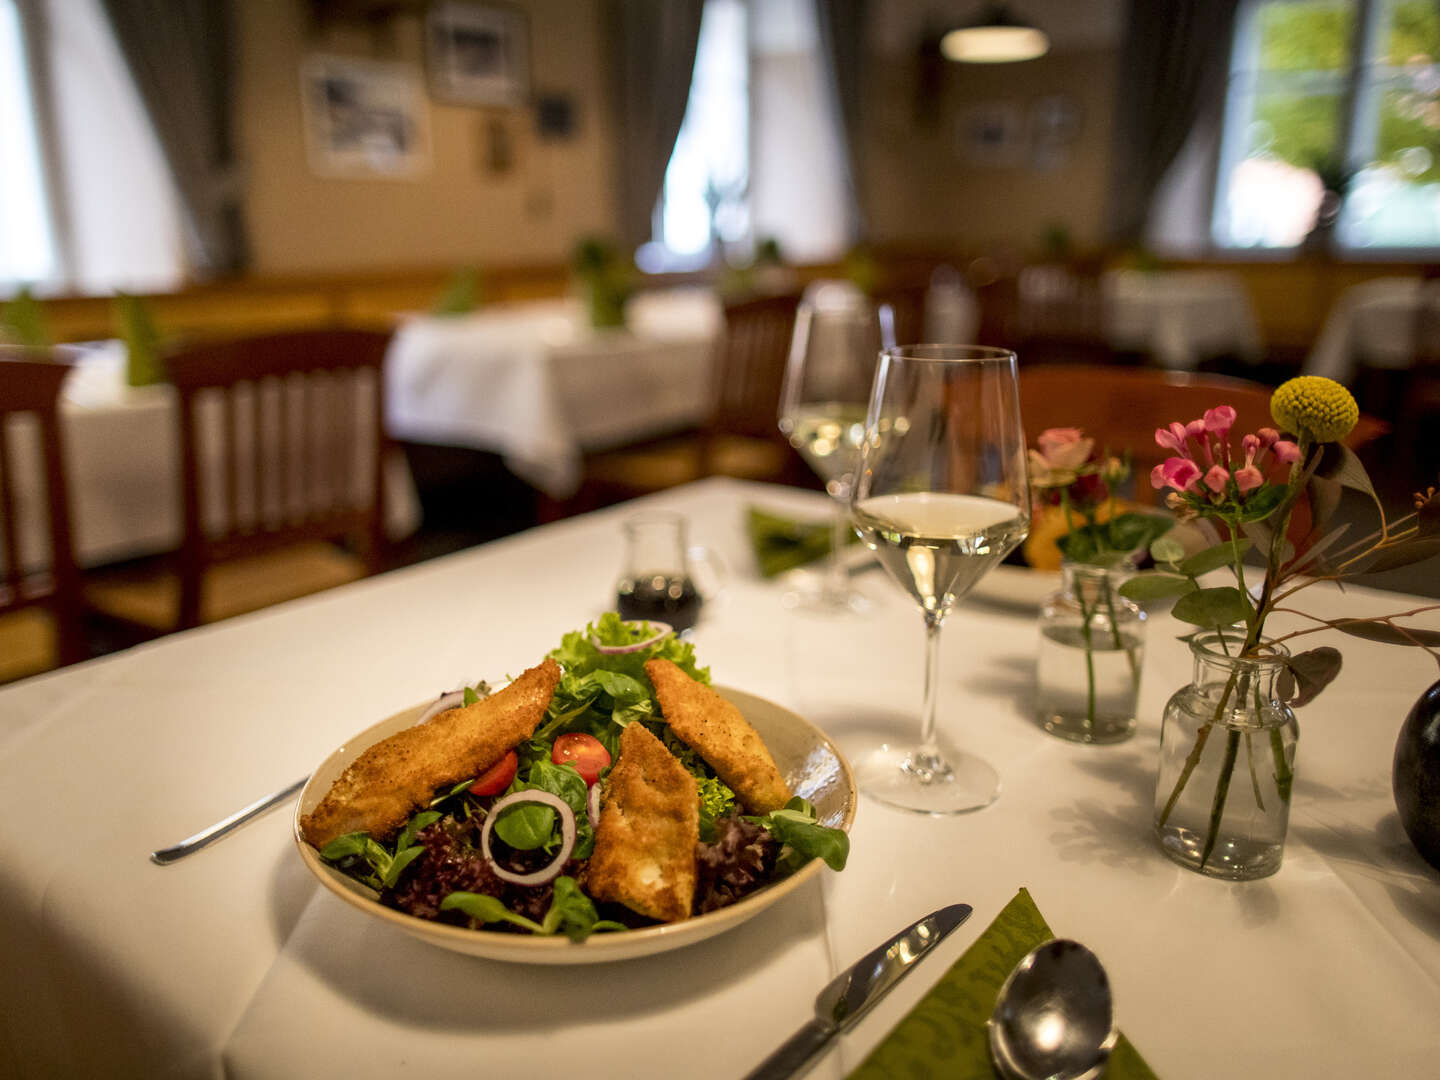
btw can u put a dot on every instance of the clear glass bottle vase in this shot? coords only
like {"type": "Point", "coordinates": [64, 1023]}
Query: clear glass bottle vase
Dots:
{"type": "Point", "coordinates": [1227, 763]}
{"type": "Point", "coordinates": [1092, 644]}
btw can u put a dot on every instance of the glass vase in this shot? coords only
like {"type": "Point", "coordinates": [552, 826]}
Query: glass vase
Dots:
{"type": "Point", "coordinates": [1092, 644]}
{"type": "Point", "coordinates": [1227, 763]}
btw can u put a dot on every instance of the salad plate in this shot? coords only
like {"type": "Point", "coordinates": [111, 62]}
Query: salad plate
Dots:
{"type": "Point", "coordinates": [812, 765]}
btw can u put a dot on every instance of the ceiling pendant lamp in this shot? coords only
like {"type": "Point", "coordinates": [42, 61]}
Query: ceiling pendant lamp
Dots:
{"type": "Point", "coordinates": [997, 37]}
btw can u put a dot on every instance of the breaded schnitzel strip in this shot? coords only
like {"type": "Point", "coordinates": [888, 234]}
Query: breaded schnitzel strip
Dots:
{"type": "Point", "coordinates": [382, 787]}
{"type": "Point", "coordinates": [645, 842]}
{"type": "Point", "coordinates": [716, 730]}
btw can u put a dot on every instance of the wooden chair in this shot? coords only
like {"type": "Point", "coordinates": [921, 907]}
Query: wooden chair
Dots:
{"type": "Point", "coordinates": [1121, 408]}
{"type": "Point", "coordinates": [281, 444]}
{"type": "Point", "coordinates": [740, 437]}
{"type": "Point", "coordinates": [40, 610]}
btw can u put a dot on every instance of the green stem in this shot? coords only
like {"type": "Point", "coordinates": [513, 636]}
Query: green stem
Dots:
{"type": "Point", "coordinates": [1129, 650]}
{"type": "Point", "coordinates": [1193, 759]}
{"type": "Point", "coordinates": [1222, 789]}
{"type": "Point", "coordinates": [1087, 616]}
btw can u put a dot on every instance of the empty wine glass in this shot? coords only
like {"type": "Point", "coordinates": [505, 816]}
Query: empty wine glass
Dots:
{"type": "Point", "coordinates": [837, 341]}
{"type": "Point", "coordinates": [941, 496]}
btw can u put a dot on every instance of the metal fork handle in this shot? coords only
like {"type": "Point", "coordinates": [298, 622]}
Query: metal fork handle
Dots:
{"type": "Point", "coordinates": [192, 844]}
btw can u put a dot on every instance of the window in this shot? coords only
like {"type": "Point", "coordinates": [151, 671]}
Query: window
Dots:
{"type": "Point", "coordinates": [760, 153]}
{"type": "Point", "coordinates": [1339, 97]}
{"type": "Point", "coordinates": [86, 199]}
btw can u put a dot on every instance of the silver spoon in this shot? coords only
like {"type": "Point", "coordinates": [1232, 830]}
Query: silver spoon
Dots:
{"type": "Point", "coordinates": [1054, 1017]}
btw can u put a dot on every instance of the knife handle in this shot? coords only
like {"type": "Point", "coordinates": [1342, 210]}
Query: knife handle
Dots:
{"type": "Point", "coordinates": [795, 1053]}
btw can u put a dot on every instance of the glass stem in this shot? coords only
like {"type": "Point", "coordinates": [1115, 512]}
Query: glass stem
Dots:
{"type": "Point", "coordinates": [836, 582]}
{"type": "Point", "coordinates": [928, 746]}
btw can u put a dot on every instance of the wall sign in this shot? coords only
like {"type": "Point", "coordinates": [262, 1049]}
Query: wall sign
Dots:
{"type": "Point", "coordinates": [477, 54]}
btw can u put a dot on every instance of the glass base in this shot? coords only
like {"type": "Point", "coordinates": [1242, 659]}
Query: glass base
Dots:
{"type": "Point", "coordinates": [912, 779]}
{"type": "Point", "coordinates": [1234, 858]}
{"type": "Point", "coordinates": [1101, 731]}
{"type": "Point", "coordinates": [815, 594]}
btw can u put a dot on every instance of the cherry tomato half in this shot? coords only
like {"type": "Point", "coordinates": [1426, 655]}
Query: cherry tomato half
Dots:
{"type": "Point", "coordinates": [497, 777]}
{"type": "Point", "coordinates": [585, 752]}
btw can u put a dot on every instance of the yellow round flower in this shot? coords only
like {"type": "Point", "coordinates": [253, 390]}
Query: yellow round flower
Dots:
{"type": "Point", "coordinates": [1315, 405]}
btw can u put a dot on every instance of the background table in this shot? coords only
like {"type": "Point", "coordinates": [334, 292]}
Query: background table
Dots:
{"type": "Point", "coordinates": [1372, 324]}
{"type": "Point", "coordinates": [537, 384]}
{"type": "Point", "coordinates": [1180, 317]}
{"type": "Point", "coordinates": [235, 963]}
{"type": "Point", "coordinates": [122, 456]}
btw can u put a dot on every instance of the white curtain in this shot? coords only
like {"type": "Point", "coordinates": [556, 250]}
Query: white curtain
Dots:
{"type": "Point", "coordinates": [106, 183]}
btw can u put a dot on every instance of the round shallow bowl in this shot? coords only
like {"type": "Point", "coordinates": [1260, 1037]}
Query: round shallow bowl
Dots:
{"type": "Point", "coordinates": [811, 763]}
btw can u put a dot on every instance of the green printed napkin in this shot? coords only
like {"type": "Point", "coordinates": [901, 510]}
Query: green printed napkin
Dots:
{"type": "Point", "coordinates": [945, 1036]}
{"type": "Point", "coordinates": [781, 543]}
{"type": "Point", "coordinates": [143, 365]}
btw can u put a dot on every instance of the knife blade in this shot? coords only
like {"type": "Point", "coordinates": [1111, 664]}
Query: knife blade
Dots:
{"type": "Point", "coordinates": [854, 992]}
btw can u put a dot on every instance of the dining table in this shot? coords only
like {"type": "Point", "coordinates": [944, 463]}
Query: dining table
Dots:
{"type": "Point", "coordinates": [122, 460]}
{"type": "Point", "coordinates": [1180, 317]}
{"type": "Point", "coordinates": [538, 384]}
{"type": "Point", "coordinates": [236, 963]}
{"type": "Point", "coordinates": [1372, 325]}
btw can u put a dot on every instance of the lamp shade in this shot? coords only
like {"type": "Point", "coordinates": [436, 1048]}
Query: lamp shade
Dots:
{"type": "Point", "coordinates": [997, 37]}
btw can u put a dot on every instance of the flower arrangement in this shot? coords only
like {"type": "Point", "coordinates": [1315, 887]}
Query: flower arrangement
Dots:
{"type": "Point", "coordinates": [1277, 496]}
{"type": "Point", "coordinates": [1099, 540]}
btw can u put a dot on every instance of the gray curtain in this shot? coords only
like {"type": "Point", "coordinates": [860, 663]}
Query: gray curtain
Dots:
{"type": "Point", "coordinates": [181, 55]}
{"type": "Point", "coordinates": [1173, 61]}
{"type": "Point", "coordinates": [654, 51]}
{"type": "Point", "coordinates": [842, 37]}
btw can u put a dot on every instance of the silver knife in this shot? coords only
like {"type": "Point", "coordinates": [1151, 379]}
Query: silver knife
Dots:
{"type": "Point", "coordinates": [852, 993]}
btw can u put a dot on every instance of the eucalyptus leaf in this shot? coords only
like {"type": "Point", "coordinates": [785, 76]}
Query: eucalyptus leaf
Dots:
{"type": "Point", "coordinates": [1372, 630]}
{"type": "Point", "coordinates": [1400, 555]}
{"type": "Point", "coordinates": [1213, 558]}
{"type": "Point", "coordinates": [1310, 672]}
{"type": "Point", "coordinates": [1224, 606]}
{"type": "Point", "coordinates": [1339, 464]}
{"type": "Point", "coordinates": [1156, 585]}
{"type": "Point", "coordinates": [1263, 503]}
{"type": "Point", "coordinates": [1324, 494]}
{"type": "Point", "coordinates": [1167, 550]}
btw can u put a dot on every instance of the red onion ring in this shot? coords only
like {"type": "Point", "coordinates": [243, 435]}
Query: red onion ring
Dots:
{"type": "Point", "coordinates": [551, 870]}
{"type": "Point", "coordinates": [592, 804]}
{"type": "Point", "coordinates": [453, 700]}
{"type": "Point", "coordinates": [663, 629]}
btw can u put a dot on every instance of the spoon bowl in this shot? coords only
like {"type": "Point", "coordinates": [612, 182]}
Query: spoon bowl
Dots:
{"type": "Point", "coordinates": [1054, 1017]}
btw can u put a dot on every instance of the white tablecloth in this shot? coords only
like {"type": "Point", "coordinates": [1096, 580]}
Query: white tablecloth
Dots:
{"type": "Point", "coordinates": [1181, 316]}
{"type": "Point", "coordinates": [538, 385]}
{"type": "Point", "coordinates": [1371, 323]}
{"type": "Point", "coordinates": [233, 963]}
{"type": "Point", "coordinates": [122, 455]}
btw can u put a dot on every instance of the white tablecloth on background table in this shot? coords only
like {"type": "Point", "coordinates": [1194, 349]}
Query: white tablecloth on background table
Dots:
{"type": "Point", "coordinates": [1372, 323]}
{"type": "Point", "coordinates": [535, 383]}
{"type": "Point", "coordinates": [234, 963]}
{"type": "Point", "coordinates": [1181, 317]}
{"type": "Point", "coordinates": [122, 455]}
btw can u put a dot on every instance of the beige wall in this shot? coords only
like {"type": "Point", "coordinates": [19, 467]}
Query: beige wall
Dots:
{"type": "Point", "coordinates": [458, 211]}
{"type": "Point", "coordinates": [927, 189]}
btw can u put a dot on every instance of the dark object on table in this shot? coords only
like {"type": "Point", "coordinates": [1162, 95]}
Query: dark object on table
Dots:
{"type": "Point", "coordinates": [1416, 775]}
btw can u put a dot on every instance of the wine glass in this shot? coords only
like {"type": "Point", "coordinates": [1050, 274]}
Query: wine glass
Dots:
{"type": "Point", "coordinates": [837, 340]}
{"type": "Point", "coordinates": [941, 495]}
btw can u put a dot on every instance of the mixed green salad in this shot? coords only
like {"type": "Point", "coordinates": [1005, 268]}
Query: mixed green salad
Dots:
{"type": "Point", "coordinates": [507, 850]}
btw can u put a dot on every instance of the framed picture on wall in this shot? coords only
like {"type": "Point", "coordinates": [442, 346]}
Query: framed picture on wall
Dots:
{"type": "Point", "coordinates": [364, 118]}
{"type": "Point", "coordinates": [477, 54]}
{"type": "Point", "coordinates": [992, 134]}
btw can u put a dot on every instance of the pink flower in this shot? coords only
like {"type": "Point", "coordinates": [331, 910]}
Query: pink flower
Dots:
{"type": "Point", "coordinates": [1177, 472]}
{"type": "Point", "coordinates": [1248, 479]}
{"type": "Point", "coordinates": [1267, 436]}
{"type": "Point", "coordinates": [1216, 478]}
{"type": "Point", "coordinates": [1220, 420]}
{"type": "Point", "coordinates": [1286, 451]}
{"type": "Point", "coordinates": [1171, 438]}
{"type": "Point", "coordinates": [1157, 476]}
{"type": "Point", "coordinates": [1065, 448]}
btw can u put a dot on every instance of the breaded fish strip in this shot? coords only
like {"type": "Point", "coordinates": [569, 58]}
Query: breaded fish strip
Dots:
{"type": "Point", "coordinates": [382, 787]}
{"type": "Point", "coordinates": [645, 842]}
{"type": "Point", "coordinates": [716, 730]}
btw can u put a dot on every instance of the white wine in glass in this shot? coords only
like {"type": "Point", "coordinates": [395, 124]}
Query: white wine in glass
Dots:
{"type": "Point", "coordinates": [823, 404]}
{"type": "Point", "coordinates": [941, 496]}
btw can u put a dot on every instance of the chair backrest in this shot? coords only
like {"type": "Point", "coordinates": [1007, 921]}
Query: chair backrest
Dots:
{"type": "Point", "coordinates": [282, 440]}
{"type": "Point", "coordinates": [750, 365]}
{"type": "Point", "coordinates": [1121, 408]}
{"type": "Point", "coordinates": [30, 386]}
